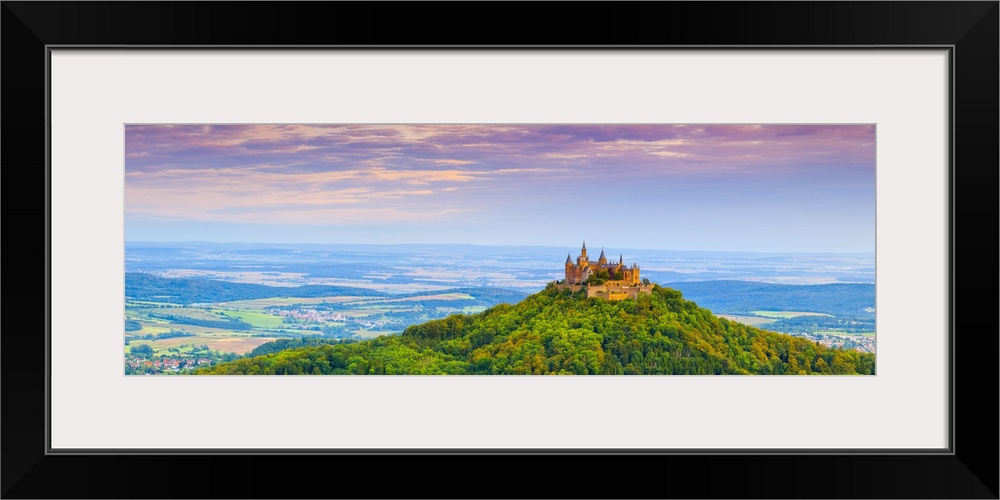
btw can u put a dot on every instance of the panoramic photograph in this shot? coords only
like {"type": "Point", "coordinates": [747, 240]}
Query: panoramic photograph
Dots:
{"type": "Point", "coordinates": [499, 249]}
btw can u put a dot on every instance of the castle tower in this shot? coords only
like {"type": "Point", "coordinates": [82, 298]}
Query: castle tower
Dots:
{"type": "Point", "coordinates": [582, 260]}
{"type": "Point", "coordinates": [602, 260]}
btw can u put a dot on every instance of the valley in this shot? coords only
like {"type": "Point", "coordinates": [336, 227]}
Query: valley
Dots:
{"type": "Point", "coordinates": [198, 304]}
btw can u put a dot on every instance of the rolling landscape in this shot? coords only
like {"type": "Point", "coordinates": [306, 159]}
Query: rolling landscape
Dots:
{"type": "Point", "coordinates": [242, 302]}
{"type": "Point", "coordinates": [459, 249]}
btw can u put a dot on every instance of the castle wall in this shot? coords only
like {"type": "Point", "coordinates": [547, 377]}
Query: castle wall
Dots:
{"type": "Point", "coordinates": [617, 292]}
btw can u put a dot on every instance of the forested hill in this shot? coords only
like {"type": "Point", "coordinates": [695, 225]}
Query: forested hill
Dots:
{"type": "Point", "coordinates": [558, 332]}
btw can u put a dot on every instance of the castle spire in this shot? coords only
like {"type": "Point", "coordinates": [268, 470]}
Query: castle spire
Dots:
{"type": "Point", "coordinates": [568, 260]}
{"type": "Point", "coordinates": [585, 246]}
{"type": "Point", "coordinates": [620, 260]}
{"type": "Point", "coordinates": [602, 255]}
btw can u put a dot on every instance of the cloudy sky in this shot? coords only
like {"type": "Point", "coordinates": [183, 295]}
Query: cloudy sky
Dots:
{"type": "Point", "coordinates": [784, 188]}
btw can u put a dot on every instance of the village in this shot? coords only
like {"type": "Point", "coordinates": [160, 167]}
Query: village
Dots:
{"type": "Point", "coordinates": [307, 314]}
{"type": "Point", "coordinates": [137, 365]}
{"type": "Point", "coordinates": [386, 320]}
{"type": "Point", "coordinates": [860, 343]}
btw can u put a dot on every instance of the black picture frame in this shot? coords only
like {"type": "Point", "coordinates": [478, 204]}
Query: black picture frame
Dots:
{"type": "Point", "coordinates": [968, 470]}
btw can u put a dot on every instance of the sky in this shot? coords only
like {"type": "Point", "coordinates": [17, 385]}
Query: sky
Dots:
{"type": "Point", "coordinates": [747, 188]}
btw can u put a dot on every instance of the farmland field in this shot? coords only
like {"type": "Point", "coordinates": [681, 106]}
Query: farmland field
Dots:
{"type": "Point", "coordinates": [843, 333]}
{"type": "Point", "coordinates": [154, 304]}
{"type": "Point", "coordinates": [257, 319]}
{"type": "Point", "coordinates": [371, 334]}
{"type": "Point", "coordinates": [786, 314]}
{"type": "Point", "coordinates": [149, 328]}
{"type": "Point", "coordinates": [231, 298]}
{"type": "Point", "coordinates": [191, 312]}
{"type": "Point", "coordinates": [439, 296]}
{"type": "Point", "coordinates": [255, 304]}
{"type": "Point", "coordinates": [221, 329]}
{"type": "Point", "coordinates": [235, 345]}
{"type": "Point", "coordinates": [198, 330]}
{"type": "Point", "coordinates": [747, 320]}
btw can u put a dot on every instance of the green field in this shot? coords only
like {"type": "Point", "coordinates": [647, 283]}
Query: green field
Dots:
{"type": "Point", "coordinates": [280, 331]}
{"type": "Point", "coordinates": [845, 334]}
{"type": "Point", "coordinates": [158, 348]}
{"type": "Point", "coordinates": [434, 296]}
{"type": "Point", "coordinates": [258, 304]}
{"type": "Point", "coordinates": [266, 326]}
{"type": "Point", "coordinates": [154, 304]}
{"type": "Point", "coordinates": [212, 332]}
{"type": "Point", "coordinates": [787, 314]}
{"type": "Point", "coordinates": [747, 320]}
{"type": "Point", "coordinates": [378, 306]}
{"type": "Point", "coordinates": [365, 334]}
{"type": "Point", "coordinates": [150, 328]}
{"type": "Point", "coordinates": [192, 312]}
{"type": "Point", "coordinates": [257, 319]}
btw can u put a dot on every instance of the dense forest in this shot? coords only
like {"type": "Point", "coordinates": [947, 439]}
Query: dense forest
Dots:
{"type": "Point", "coordinates": [285, 344]}
{"type": "Point", "coordinates": [558, 332]}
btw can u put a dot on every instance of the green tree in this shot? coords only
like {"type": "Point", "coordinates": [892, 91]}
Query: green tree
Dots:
{"type": "Point", "coordinates": [142, 351]}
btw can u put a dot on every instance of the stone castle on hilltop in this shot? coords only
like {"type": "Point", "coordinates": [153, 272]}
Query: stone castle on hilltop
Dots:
{"type": "Point", "coordinates": [603, 279]}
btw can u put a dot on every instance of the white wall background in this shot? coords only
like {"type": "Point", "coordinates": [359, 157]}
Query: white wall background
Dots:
{"type": "Point", "coordinates": [94, 93]}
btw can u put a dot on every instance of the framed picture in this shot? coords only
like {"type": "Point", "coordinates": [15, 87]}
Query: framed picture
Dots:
{"type": "Point", "coordinates": [903, 95]}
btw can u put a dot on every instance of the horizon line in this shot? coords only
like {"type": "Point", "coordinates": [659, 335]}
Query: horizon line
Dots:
{"type": "Point", "coordinates": [485, 245]}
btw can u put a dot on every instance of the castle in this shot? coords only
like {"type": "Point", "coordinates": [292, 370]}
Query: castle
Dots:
{"type": "Point", "coordinates": [601, 279]}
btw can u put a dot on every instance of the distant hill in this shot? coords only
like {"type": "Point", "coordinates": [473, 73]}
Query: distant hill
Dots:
{"type": "Point", "coordinates": [740, 297]}
{"type": "Point", "coordinates": [148, 287]}
{"type": "Point", "coordinates": [557, 332]}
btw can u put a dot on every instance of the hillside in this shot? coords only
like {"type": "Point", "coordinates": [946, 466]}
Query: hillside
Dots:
{"type": "Point", "coordinates": [553, 332]}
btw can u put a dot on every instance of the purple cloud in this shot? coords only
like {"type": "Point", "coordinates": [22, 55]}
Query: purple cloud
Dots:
{"type": "Point", "coordinates": [290, 173]}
